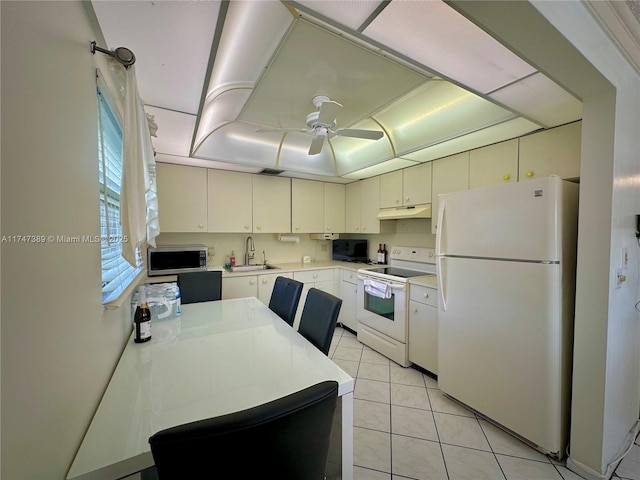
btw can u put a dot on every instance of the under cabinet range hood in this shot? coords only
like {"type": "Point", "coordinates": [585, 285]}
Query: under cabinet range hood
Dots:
{"type": "Point", "coordinates": [416, 211]}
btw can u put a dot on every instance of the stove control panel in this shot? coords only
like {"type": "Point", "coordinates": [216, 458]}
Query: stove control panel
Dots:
{"type": "Point", "coordinates": [414, 254]}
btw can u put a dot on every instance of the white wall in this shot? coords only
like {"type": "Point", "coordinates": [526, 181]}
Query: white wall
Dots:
{"type": "Point", "coordinates": [58, 348]}
{"type": "Point", "coordinates": [414, 233]}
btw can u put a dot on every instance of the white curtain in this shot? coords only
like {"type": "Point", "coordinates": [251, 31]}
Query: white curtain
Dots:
{"type": "Point", "coordinates": [139, 201]}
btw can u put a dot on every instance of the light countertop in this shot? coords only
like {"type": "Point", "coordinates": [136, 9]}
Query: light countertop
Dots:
{"type": "Point", "coordinates": [426, 281]}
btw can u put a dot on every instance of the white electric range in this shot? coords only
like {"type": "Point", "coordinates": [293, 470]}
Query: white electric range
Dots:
{"type": "Point", "coordinates": [383, 300]}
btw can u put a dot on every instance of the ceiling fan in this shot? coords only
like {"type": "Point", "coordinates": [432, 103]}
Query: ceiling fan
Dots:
{"type": "Point", "coordinates": [321, 124]}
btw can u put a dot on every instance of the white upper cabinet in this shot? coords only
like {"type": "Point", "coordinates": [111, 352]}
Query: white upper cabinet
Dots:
{"type": "Point", "coordinates": [182, 198]}
{"type": "Point", "coordinates": [334, 208]}
{"type": "Point", "coordinates": [416, 185]}
{"type": "Point", "coordinates": [230, 201]}
{"type": "Point", "coordinates": [363, 205]}
{"type": "Point", "coordinates": [307, 206]}
{"type": "Point", "coordinates": [551, 152]}
{"type": "Point", "coordinates": [370, 205]}
{"type": "Point", "coordinates": [407, 187]}
{"type": "Point", "coordinates": [353, 202]}
{"type": "Point", "coordinates": [450, 174]}
{"type": "Point", "coordinates": [494, 165]}
{"type": "Point", "coordinates": [391, 189]}
{"type": "Point", "coordinates": [271, 204]}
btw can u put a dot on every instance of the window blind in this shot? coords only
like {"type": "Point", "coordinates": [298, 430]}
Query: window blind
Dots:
{"type": "Point", "coordinates": [117, 273]}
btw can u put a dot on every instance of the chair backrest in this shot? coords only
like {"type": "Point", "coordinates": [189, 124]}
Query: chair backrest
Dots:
{"type": "Point", "coordinates": [200, 286]}
{"type": "Point", "coordinates": [319, 317]}
{"type": "Point", "coordinates": [285, 298]}
{"type": "Point", "coordinates": [287, 438]}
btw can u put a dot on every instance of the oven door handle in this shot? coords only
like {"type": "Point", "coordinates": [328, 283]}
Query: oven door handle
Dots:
{"type": "Point", "coordinates": [397, 286]}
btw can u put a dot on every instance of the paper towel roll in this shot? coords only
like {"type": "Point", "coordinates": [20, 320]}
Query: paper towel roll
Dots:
{"type": "Point", "coordinates": [289, 238]}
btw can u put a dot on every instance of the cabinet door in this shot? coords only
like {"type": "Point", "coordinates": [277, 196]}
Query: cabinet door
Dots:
{"type": "Point", "coordinates": [353, 202]}
{"type": "Point", "coordinates": [334, 208]}
{"type": "Point", "coordinates": [182, 198]}
{"type": "Point", "coordinates": [423, 335]}
{"type": "Point", "coordinates": [416, 185]}
{"type": "Point", "coordinates": [370, 205]}
{"type": "Point", "coordinates": [230, 201]}
{"type": "Point", "coordinates": [239, 287]}
{"type": "Point", "coordinates": [271, 204]}
{"type": "Point", "coordinates": [348, 311]}
{"type": "Point", "coordinates": [265, 285]}
{"type": "Point", "coordinates": [552, 152]}
{"type": "Point", "coordinates": [391, 189]}
{"type": "Point", "coordinates": [450, 174]}
{"type": "Point", "coordinates": [307, 206]}
{"type": "Point", "coordinates": [494, 165]}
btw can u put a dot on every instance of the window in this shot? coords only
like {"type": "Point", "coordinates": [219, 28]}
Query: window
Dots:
{"type": "Point", "coordinates": [117, 273]}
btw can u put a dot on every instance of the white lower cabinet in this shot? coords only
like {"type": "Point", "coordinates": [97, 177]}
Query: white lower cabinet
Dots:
{"type": "Point", "coordinates": [423, 327]}
{"type": "Point", "coordinates": [239, 287]}
{"type": "Point", "coordinates": [266, 283]}
{"type": "Point", "coordinates": [321, 279]}
{"type": "Point", "coordinates": [349, 295]}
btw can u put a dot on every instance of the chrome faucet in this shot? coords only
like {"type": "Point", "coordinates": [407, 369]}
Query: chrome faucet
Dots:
{"type": "Point", "coordinates": [249, 248]}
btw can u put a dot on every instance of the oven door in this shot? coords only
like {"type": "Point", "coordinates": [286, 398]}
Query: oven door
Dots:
{"type": "Point", "coordinates": [385, 315]}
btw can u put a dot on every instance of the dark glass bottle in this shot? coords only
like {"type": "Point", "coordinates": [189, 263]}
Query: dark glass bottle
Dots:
{"type": "Point", "coordinates": [384, 253]}
{"type": "Point", "coordinates": [142, 319]}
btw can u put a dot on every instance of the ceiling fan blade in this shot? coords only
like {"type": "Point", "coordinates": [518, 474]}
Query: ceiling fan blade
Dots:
{"type": "Point", "coordinates": [267, 130]}
{"type": "Point", "coordinates": [316, 146]}
{"type": "Point", "coordinates": [328, 112]}
{"type": "Point", "coordinates": [354, 132]}
{"type": "Point", "coordinates": [304, 131]}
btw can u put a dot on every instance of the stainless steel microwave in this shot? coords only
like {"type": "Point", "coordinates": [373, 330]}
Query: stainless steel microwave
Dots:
{"type": "Point", "coordinates": [172, 259]}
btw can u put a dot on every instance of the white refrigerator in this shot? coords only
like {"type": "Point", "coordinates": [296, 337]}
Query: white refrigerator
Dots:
{"type": "Point", "coordinates": [506, 273]}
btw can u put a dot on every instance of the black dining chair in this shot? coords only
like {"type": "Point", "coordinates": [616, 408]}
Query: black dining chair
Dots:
{"type": "Point", "coordinates": [287, 438]}
{"type": "Point", "coordinates": [200, 286]}
{"type": "Point", "coordinates": [285, 298]}
{"type": "Point", "coordinates": [319, 317]}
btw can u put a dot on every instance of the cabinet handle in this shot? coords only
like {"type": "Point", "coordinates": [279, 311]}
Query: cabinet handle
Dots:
{"type": "Point", "coordinates": [265, 281]}
{"type": "Point", "coordinates": [529, 173]}
{"type": "Point", "coordinates": [406, 199]}
{"type": "Point", "coordinates": [246, 227]}
{"type": "Point", "coordinates": [252, 282]}
{"type": "Point", "coordinates": [315, 276]}
{"type": "Point", "coordinates": [297, 228]}
{"type": "Point", "coordinates": [259, 227]}
{"type": "Point", "coordinates": [328, 229]}
{"type": "Point", "coordinates": [506, 176]}
{"type": "Point", "coordinates": [415, 310]}
{"type": "Point", "coordinates": [364, 228]}
{"type": "Point", "coordinates": [426, 295]}
{"type": "Point", "coordinates": [200, 225]}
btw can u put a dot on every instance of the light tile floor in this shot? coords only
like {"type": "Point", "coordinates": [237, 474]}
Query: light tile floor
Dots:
{"type": "Point", "coordinates": [406, 428]}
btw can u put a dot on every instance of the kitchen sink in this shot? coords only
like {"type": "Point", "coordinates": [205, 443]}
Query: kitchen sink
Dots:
{"type": "Point", "coordinates": [247, 268]}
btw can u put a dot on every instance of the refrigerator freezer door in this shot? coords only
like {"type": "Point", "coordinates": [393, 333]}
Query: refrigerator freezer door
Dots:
{"type": "Point", "coordinates": [503, 347]}
{"type": "Point", "coordinates": [515, 221]}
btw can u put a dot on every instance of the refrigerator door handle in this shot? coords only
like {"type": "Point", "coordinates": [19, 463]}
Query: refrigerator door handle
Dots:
{"type": "Point", "coordinates": [439, 229]}
{"type": "Point", "coordinates": [443, 302]}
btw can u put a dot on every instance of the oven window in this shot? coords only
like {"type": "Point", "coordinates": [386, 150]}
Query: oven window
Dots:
{"type": "Point", "coordinates": [379, 306]}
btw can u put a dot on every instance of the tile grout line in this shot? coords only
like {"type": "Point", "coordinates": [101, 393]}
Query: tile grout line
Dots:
{"type": "Point", "coordinates": [495, 456]}
{"type": "Point", "coordinates": [435, 425]}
